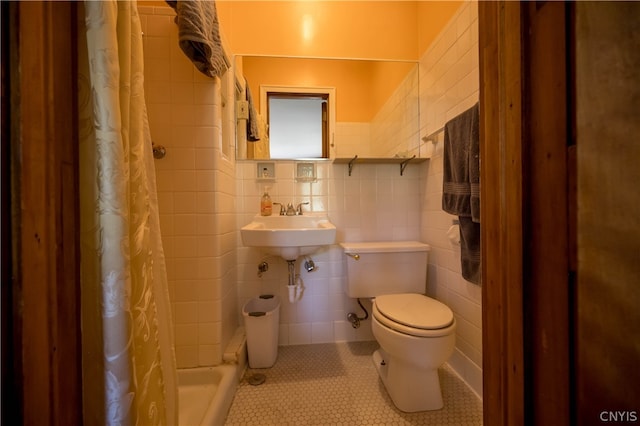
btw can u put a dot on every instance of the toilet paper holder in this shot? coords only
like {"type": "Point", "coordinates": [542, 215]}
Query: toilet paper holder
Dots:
{"type": "Point", "coordinates": [453, 233]}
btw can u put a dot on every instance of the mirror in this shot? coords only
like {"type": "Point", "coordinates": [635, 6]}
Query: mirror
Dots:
{"type": "Point", "coordinates": [372, 108]}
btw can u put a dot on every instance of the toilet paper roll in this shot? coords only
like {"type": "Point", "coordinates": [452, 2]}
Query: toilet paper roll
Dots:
{"type": "Point", "coordinates": [454, 235]}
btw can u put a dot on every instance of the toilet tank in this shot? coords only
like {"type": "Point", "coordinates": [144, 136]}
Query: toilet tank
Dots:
{"type": "Point", "coordinates": [385, 267]}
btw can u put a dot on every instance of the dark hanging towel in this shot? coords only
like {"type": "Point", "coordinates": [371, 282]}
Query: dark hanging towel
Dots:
{"type": "Point", "coordinates": [199, 35]}
{"type": "Point", "coordinates": [461, 186]}
{"type": "Point", "coordinates": [253, 134]}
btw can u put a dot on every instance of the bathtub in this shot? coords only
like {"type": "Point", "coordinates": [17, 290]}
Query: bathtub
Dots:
{"type": "Point", "coordinates": [205, 394]}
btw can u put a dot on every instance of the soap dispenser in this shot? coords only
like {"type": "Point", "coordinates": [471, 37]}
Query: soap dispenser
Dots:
{"type": "Point", "coordinates": [266, 206]}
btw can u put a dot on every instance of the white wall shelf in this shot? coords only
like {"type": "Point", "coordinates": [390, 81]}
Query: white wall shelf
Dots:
{"type": "Point", "coordinates": [402, 161]}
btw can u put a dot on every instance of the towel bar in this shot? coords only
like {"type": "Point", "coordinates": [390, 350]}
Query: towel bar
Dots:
{"type": "Point", "coordinates": [432, 136]}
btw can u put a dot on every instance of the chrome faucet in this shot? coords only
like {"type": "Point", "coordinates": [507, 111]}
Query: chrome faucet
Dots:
{"type": "Point", "coordinates": [282, 211]}
{"type": "Point", "coordinates": [290, 210]}
{"type": "Point", "coordinates": [299, 208]}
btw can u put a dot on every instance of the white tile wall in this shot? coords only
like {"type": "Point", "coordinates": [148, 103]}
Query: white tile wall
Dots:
{"type": "Point", "coordinates": [196, 190]}
{"type": "Point", "coordinates": [352, 138]}
{"type": "Point", "coordinates": [375, 203]}
{"type": "Point", "coordinates": [395, 125]}
{"type": "Point", "coordinates": [449, 84]}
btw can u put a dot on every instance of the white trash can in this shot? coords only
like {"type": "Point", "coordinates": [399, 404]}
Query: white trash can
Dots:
{"type": "Point", "coordinates": [261, 323]}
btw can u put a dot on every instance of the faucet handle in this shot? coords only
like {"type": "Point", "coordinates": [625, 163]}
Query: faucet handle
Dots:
{"type": "Point", "coordinates": [282, 211]}
{"type": "Point", "coordinates": [299, 208]}
{"type": "Point", "coordinates": [290, 210]}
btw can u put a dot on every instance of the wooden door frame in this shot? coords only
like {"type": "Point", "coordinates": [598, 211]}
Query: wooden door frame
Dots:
{"type": "Point", "coordinates": [42, 131]}
{"type": "Point", "coordinates": [500, 44]}
{"type": "Point", "coordinates": [548, 250]}
{"type": "Point", "coordinates": [525, 210]}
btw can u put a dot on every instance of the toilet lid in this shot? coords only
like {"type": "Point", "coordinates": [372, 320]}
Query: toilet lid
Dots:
{"type": "Point", "coordinates": [415, 311]}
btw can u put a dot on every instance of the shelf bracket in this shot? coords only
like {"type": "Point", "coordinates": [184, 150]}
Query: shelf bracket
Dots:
{"type": "Point", "coordinates": [353, 160]}
{"type": "Point", "coordinates": [403, 165]}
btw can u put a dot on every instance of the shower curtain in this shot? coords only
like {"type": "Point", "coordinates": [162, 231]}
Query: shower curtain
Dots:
{"type": "Point", "coordinates": [129, 373]}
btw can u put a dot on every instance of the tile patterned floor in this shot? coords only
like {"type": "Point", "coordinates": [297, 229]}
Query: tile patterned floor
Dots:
{"type": "Point", "coordinates": [337, 384]}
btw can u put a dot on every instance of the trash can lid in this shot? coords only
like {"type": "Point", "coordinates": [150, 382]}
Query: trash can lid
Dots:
{"type": "Point", "coordinates": [261, 306]}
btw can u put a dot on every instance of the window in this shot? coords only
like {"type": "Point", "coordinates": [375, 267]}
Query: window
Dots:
{"type": "Point", "coordinates": [299, 121]}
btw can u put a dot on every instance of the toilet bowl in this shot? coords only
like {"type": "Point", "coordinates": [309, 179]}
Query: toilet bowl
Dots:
{"type": "Point", "coordinates": [416, 336]}
{"type": "Point", "coordinates": [416, 333]}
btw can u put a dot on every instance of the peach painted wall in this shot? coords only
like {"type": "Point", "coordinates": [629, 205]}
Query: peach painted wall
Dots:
{"type": "Point", "coordinates": [384, 29]}
{"type": "Point", "coordinates": [362, 86]}
{"type": "Point", "coordinates": [432, 18]}
{"type": "Point", "coordinates": [347, 29]}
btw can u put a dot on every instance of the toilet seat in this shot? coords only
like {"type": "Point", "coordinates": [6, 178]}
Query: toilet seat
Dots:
{"type": "Point", "coordinates": [413, 314]}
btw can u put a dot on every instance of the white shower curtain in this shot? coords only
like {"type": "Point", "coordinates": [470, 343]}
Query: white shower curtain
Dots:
{"type": "Point", "coordinates": [129, 375]}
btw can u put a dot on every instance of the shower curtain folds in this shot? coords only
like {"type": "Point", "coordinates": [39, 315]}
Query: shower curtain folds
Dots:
{"type": "Point", "coordinates": [129, 374]}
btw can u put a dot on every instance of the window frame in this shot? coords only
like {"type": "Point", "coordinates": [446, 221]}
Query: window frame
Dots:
{"type": "Point", "coordinates": [301, 92]}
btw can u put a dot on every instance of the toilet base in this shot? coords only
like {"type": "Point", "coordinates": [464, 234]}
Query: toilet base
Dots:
{"type": "Point", "coordinates": [409, 389]}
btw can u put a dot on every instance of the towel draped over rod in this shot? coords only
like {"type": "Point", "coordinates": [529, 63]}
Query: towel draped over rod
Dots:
{"type": "Point", "coordinates": [461, 186]}
{"type": "Point", "coordinates": [199, 35]}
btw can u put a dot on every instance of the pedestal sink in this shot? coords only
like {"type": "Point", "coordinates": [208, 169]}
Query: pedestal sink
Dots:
{"type": "Point", "coordinates": [289, 236]}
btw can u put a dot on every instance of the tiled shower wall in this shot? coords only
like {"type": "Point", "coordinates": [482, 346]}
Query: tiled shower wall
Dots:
{"type": "Point", "coordinates": [449, 84]}
{"type": "Point", "coordinates": [196, 191]}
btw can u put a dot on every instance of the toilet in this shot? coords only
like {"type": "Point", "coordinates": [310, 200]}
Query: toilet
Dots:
{"type": "Point", "coordinates": [416, 333]}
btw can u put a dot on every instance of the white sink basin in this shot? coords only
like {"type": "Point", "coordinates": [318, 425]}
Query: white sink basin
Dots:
{"type": "Point", "coordinates": [289, 236]}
